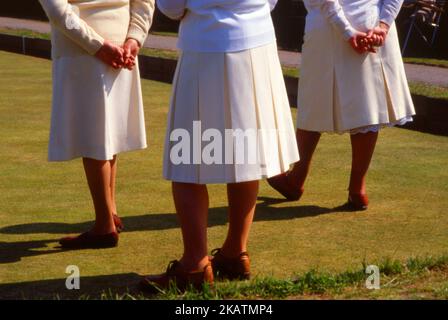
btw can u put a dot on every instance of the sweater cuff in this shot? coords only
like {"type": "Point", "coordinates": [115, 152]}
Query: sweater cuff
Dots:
{"type": "Point", "coordinates": [94, 45]}
{"type": "Point", "coordinates": [137, 34]}
{"type": "Point", "coordinates": [349, 32]}
{"type": "Point", "coordinates": [387, 19]}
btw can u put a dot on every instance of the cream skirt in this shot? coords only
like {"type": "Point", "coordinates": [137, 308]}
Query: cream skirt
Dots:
{"type": "Point", "coordinates": [229, 118]}
{"type": "Point", "coordinates": [343, 91]}
{"type": "Point", "coordinates": [97, 110]}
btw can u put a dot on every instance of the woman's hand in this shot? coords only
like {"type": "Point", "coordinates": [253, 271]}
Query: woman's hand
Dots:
{"type": "Point", "coordinates": [377, 36]}
{"type": "Point", "coordinates": [111, 54]}
{"type": "Point", "coordinates": [131, 49]}
{"type": "Point", "coordinates": [358, 42]}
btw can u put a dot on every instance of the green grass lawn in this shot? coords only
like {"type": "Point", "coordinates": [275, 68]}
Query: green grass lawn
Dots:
{"type": "Point", "coordinates": [166, 54]}
{"type": "Point", "coordinates": [25, 33]}
{"type": "Point", "coordinates": [427, 62]}
{"type": "Point", "coordinates": [164, 33]}
{"type": "Point", "coordinates": [41, 202]}
{"type": "Point", "coordinates": [432, 91]}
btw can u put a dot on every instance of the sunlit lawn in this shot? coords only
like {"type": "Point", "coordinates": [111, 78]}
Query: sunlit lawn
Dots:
{"type": "Point", "coordinates": [41, 201]}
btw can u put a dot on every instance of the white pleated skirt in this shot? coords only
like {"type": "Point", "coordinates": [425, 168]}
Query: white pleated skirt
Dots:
{"type": "Point", "coordinates": [230, 119]}
{"type": "Point", "coordinates": [343, 91]}
{"type": "Point", "coordinates": [97, 111]}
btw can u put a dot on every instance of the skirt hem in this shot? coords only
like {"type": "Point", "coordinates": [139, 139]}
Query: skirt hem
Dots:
{"type": "Point", "coordinates": [225, 180]}
{"type": "Point", "coordinates": [94, 156]}
{"type": "Point", "coordinates": [367, 128]}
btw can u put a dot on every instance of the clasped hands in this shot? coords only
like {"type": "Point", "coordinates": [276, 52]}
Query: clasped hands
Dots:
{"type": "Point", "coordinates": [119, 56]}
{"type": "Point", "coordinates": [363, 42]}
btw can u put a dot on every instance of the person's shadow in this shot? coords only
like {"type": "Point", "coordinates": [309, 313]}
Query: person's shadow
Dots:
{"type": "Point", "coordinates": [93, 287]}
{"type": "Point", "coordinates": [14, 251]}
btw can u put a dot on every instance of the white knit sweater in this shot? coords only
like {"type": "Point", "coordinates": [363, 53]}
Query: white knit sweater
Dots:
{"type": "Point", "coordinates": [82, 26]}
{"type": "Point", "coordinates": [349, 16]}
{"type": "Point", "coordinates": [221, 25]}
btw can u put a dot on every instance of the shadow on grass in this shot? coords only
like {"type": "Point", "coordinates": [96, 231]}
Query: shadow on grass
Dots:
{"type": "Point", "coordinates": [164, 221]}
{"type": "Point", "coordinates": [13, 251]}
{"type": "Point", "coordinates": [90, 287]}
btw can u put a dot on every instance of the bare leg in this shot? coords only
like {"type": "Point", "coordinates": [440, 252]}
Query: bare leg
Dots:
{"type": "Point", "coordinates": [191, 201]}
{"type": "Point", "coordinates": [98, 175]}
{"type": "Point", "coordinates": [307, 142]}
{"type": "Point", "coordinates": [113, 179]}
{"type": "Point", "coordinates": [363, 146]}
{"type": "Point", "coordinates": [242, 201]}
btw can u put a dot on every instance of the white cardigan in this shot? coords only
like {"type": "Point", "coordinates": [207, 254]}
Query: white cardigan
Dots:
{"type": "Point", "coordinates": [81, 26]}
{"type": "Point", "coordinates": [347, 16]}
{"type": "Point", "coordinates": [221, 25]}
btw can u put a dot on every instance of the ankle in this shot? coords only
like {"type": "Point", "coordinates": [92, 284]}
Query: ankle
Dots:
{"type": "Point", "coordinates": [357, 189]}
{"type": "Point", "coordinates": [362, 193]}
{"type": "Point", "coordinates": [101, 229]}
{"type": "Point", "coordinates": [232, 252]}
{"type": "Point", "coordinates": [297, 179]}
{"type": "Point", "coordinates": [192, 264]}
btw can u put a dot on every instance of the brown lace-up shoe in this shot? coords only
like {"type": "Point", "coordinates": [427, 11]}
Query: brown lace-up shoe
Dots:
{"type": "Point", "coordinates": [231, 268]}
{"type": "Point", "coordinates": [88, 240]}
{"type": "Point", "coordinates": [174, 275]}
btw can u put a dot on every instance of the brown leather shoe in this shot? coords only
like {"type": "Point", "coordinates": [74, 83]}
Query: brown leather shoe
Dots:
{"type": "Point", "coordinates": [282, 184]}
{"type": "Point", "coordinates": [88, 240]}
{"type": "Point", "coordinates": [358, 201]}
{"type": "Point", "coordinates": [118, 223]}
{"type": "Point", "coordinates": [177, 277]}
{"type": "Point", "coordinates": [231, 268]}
